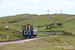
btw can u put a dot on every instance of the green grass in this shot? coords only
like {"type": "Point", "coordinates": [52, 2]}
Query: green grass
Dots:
{"type": "Point", "coordinates": [68, 39]}
{"type": "Point", "coordinates": [42, 34]}
{"type": "Point", "coordinates": [49, 43]}
{"type": "Point", "coordinates": [54, 41]}
{"type": "Point", "coordinates": [14, 34]}
{"type": "Point", "coordinates": [29, 46]}
{"type": "Point", "coordinates": [59, 40]}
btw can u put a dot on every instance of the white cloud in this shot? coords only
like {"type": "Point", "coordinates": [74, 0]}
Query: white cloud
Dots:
{"type": "Point", "coordinates": [51, 9]}
{"type": "Point", "coordinates": [68, 3]}
{"type": "Point", "coordinates": [35, 1]}
{"type": "Point", "coordinates": [46, 9]}
{"type": "Point", "coordinates": [19, 0]}
{"type": "Point", "coordinates": [1, 10]}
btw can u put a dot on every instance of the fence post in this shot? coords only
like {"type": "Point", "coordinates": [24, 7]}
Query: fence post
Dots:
{"type": "Point", "coordinates": [48, 34]}
{"type": "Point", "coordinates": [9, 37]}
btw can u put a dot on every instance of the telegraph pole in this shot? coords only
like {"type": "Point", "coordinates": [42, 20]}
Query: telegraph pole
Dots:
{"type": "Point", "coordinates": [48, 15]}
{"type": "Point", "coordinates": [60, 13]}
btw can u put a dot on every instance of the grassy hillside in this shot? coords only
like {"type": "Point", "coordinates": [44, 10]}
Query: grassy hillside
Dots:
{"type": "Point", "coordinates": [12, 31]}
{"type": "Point", "coordinates": [38, 20]}
{"type": "Point", "coordinates": [67, 20]}
{"type": "Point", "coordinates": [16, 18]}
{"type": "Point", "coordinates": [17, 21]}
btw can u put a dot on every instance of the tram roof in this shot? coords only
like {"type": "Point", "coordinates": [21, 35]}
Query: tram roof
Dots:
{"type": "Point", "coordinates": [27, 25]}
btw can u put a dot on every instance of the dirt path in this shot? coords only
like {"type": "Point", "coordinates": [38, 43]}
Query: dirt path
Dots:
{"type": "Point", "coordinates": [12, 26]}
{"type": "Point", "coordinates": [65, 42]}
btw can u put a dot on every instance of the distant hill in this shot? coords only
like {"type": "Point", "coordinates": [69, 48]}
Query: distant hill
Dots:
{"type": "Point", "coordinates": [17, 18]}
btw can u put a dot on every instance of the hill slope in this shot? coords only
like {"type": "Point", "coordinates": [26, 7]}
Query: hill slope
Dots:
{"type": "Point", "coordinates": [38, 20]}
{"type": "Point", "coordinates": [12, 31]}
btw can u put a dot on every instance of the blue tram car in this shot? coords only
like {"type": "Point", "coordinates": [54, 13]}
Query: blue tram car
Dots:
{"type": "Point", "coordinates": [29, 31]}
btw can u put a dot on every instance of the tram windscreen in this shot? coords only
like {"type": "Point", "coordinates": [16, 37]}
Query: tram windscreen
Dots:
{"type": "Point", "coordinates": [27, 28]}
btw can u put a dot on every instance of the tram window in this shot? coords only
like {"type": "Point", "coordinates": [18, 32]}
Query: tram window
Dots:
{"type": "Point", "coordinates": [31, 28]}
{"type": "Point", "coordinates": [27, 28]}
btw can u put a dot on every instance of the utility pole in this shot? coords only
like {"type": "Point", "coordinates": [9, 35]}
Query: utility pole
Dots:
{"type": "Point", "coordinates": [60, 13]}
{"type": "Point", "coordinates": [48, 15]}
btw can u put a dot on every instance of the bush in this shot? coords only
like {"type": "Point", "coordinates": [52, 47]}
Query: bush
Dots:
{"type": "Point", "coordinates": [67, 33]}
{"type": "Point", "coordinates": [40, 26]}
{"type": "Point", "coordinates": [59, 24]}
{"type": "Point", "coordinates": [73, 35]}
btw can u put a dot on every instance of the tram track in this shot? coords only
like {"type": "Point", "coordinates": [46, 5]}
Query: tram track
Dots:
{"type": "Point", "coordinates": [23, 40]}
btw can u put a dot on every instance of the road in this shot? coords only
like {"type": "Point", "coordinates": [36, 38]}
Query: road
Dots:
{"type": "Point", "coordinates": [26, 40]}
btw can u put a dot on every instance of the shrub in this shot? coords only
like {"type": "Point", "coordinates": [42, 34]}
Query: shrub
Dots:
{"type": "Point", "coordinates": [59, 24]}
{"type": "Point", "coordinates": [67, 33]}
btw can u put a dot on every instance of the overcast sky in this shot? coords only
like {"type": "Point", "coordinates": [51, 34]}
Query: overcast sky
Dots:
{"type": "Point", "coordinates": [13, 7]}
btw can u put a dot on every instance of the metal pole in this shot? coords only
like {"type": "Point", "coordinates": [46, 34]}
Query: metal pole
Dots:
{"type": "Point", "coordinates": [48, 15]}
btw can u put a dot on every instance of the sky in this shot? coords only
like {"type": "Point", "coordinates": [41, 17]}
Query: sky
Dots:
{"type": "Point", "coordinates": [14, 7]}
